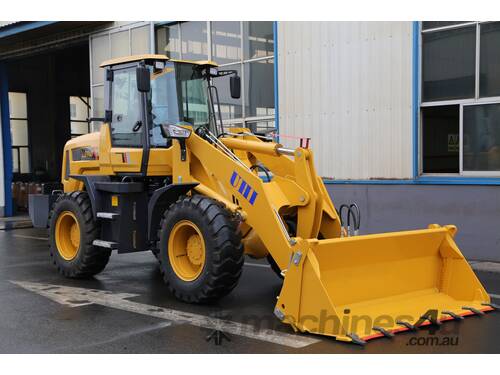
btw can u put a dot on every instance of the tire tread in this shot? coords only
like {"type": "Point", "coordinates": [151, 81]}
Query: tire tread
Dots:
{"type": "Point", "coordinates": [93, 260]}
{"type": "Point", "coordinates": [227, 254]}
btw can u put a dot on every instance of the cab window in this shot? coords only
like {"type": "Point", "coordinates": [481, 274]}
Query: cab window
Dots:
{"type": "Point", "coordinates": [125, 104]}
{"type": "Point", "coordinates": [164, 104]}
{"type": "Point", "coordinates": [194, 95]}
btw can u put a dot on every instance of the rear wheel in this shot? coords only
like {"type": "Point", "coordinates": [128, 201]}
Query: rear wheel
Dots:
{"type": "Point", "coordinates": [72, 229]}
{"type": "Point", "coordinates": [199, 250]}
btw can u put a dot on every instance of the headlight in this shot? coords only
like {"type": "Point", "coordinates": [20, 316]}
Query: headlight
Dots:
{"type": "Point", "coordinates": [174, 131]}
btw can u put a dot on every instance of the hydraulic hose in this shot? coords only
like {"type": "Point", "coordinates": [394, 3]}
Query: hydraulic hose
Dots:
{"type": "Point", "coordinates": [356, 217]}
{"type": "Point", "coordinates": [353, 212]}
{"type": "Point", "coordinates": [340, 213]}
{"type": "Point", "coordinates": [263, 169]}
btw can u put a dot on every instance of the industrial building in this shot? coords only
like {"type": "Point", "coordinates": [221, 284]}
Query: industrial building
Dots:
{"type": "Point", "coordinates": [403, 117]}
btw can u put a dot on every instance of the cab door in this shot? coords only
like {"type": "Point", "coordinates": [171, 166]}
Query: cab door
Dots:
{"type": "Point", "coordinates": [127, 122]}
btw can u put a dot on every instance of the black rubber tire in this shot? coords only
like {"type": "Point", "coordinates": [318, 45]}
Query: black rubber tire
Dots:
{"type": "Point", "coordinates": [223, 249]}
{"type": "Point", "coordinates": [90, 260]}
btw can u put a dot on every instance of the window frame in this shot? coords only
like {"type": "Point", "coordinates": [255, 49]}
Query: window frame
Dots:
{"type": "Point", "coordinates": [476, 100]}
{"type": "Point", "coordinates": [28, 143]}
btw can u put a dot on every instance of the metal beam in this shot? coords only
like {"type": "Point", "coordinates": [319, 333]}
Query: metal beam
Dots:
{"type": "Point", "coordinates": [6, 139]}
{"type": "Point", "coordinates": [17, 28]}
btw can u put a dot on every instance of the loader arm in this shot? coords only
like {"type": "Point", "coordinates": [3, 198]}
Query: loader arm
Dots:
{"type": "Point", "coordinates": [261, 204]}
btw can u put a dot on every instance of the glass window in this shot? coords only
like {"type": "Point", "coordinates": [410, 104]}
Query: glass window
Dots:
{"type": "Point", "coordinates": [194, 95]}
{"type": "Point", "coordinates": [20, 160]}
{"type": "Point", "coordinates": [226, 42]}
{"type": "Point", "coordinates": [79, 128]}
{"type": "Point", "coordinates": [120, 45]}
{"type": "Point", "coordinates": [100, 53]}
{"type": "Point", "coordinates": [24, 160]}
{"type": "Point", "coordinates": [167, 41]}
{"type": "Point", "coordinates": [481, 145]}
{"type": "Point", "coordinates": [78, 108]}
{"type": "Point", "coordinates": [259, 88]}
{"type": "Point", "coordinates": [97, 105]}
{"type": "Point", "coordinates": [164, 103]}
{"type": "Point", "coordinates": [440, 137]}
{"type": "Point", "coordinates": [262, 127]}
{"type": "Point", "coordinates": [17, 105]}
{"type": "Point", "coordinates": [139, 40]}
{"type": "Point", "coordinates": [79, 113]}
{"type": "Point", "coordinates": [166, 109]}
{"type": "Point", "coordinates": [19, 132]}
{"type": "Point", "coordinates": [230, 108]}
{"type": "Point", "coordinates": [448, 64]}
{"type": "Point", "coordinates": [489, 77]}
{"type": "Point", "coordinates": [233, 44]}
{"type": "Point", "coordinates": [194, 40]}
{"type": "Point", "coordinates": [435, 24]}
{"type": "Point", "coordinates": [15, 160]}
{"type": "Point", "coordinates": [126, 109]}
{"type": "Point", "coordinates": [258, 39]}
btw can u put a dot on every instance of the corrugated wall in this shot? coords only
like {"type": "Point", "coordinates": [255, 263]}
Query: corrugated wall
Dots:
{"type": "Point", "coordinates": [348, 86]}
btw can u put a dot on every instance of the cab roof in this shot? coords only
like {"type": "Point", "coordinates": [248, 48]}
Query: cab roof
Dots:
{"type": "Point", "coordinates": [156, 57]}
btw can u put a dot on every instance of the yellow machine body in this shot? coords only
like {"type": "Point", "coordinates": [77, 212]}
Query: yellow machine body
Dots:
{"type": "Point", "coordinates": [333, 285]}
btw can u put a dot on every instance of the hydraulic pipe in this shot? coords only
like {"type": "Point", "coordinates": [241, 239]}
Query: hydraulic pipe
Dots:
{"type": "Point", "coordinates": [285, 151]}
{"type": "Point", "coordinates": [268, 148]}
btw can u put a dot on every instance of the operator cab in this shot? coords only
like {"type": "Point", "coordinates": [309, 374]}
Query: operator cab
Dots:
{"type": "Point", "coordinates": [148, 94]}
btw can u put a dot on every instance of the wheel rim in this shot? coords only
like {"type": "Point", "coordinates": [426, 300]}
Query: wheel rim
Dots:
{"type": "Point", "coordinates": [186, 250]}
{"type": "Point", "coordinates": [67, 235]}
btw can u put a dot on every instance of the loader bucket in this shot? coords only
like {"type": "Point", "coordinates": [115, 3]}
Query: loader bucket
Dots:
{"type": "Point", "coordinates": [363, 287]}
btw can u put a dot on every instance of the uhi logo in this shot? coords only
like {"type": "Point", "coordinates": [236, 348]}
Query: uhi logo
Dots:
{"type": "Point", "coordinates": [243, 187]}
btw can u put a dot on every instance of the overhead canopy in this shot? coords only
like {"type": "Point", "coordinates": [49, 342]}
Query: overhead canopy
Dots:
{"type": "Point", "coordinates": [18, 39]}
{"type": "Point", "coordinates": [156, 57]}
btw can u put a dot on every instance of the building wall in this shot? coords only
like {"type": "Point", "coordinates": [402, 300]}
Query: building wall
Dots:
{"type": "Point", "coordinates": [348, 86]}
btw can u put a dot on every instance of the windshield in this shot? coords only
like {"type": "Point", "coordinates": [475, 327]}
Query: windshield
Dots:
{"type": "Point", "coordinates": [166, 108]}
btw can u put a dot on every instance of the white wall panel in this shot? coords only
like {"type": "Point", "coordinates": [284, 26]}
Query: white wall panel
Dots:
{"type": "Point", "coordinates": [348, 86]}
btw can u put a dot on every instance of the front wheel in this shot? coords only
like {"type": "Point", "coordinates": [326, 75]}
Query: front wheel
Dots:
{"type": "Point", "coordinates": [199, 250]}
{"type": "Point", "coordinates": [72, 229]}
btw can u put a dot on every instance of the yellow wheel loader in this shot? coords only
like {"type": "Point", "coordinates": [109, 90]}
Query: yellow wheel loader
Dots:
{"type": "Point", "coordinates": [163, 175]}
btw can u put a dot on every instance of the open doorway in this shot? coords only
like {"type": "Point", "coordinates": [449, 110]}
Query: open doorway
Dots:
{"type": "Point", "coordinates": [49, 104]}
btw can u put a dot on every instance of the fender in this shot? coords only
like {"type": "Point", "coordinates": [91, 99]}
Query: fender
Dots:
{"type": "Point", "coordinates": [161, 199]}
{"type": "Point", "coordinates": [90, 186]}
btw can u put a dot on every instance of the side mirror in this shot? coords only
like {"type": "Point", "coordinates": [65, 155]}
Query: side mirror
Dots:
{"type": "Point", "coordinates": [235, 86]}
{"type": "Point", "coordinates": [143, 79]}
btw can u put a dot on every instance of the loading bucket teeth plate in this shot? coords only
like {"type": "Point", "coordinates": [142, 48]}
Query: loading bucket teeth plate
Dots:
{"type": "Point", "coordinates": [345, 286]}
{"type": "Point", "coordinates": [426, 323]}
